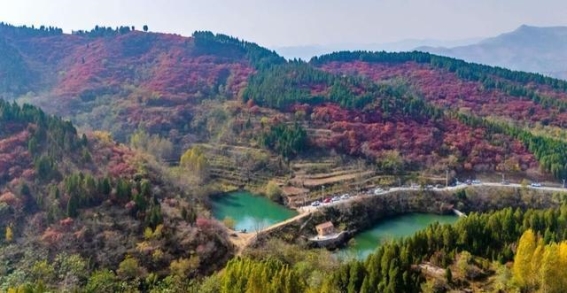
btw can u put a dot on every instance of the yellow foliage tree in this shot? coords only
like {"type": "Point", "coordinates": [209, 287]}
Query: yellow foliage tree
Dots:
{"type": "Point", "coordinates": [195, 162]}
{"type": "Point", "coordinates": [552, 277]}
{"type": "Point", "coordinates": [103, 136]}
{"type": "Point", "coordinates": [522, 261]}
{"type": "Point", "coordinates": [130, 269]}
{"type": "Point", "coordinates": [148, 233]}
{"type": "Point", "coordinates": [539, 267]}
{"type": "Point", "coordinates": [183, 266]}
{"type": "Point", "coordinates": [158, 232]}
{"type": "Point", "coordinates": [273, 191]}
{"type": "Point", "coordinates": [563, 261]}
{"type": "Point", "coordinates": [9, 234]}
{"type": "Point", "coordinates": [533, 278]}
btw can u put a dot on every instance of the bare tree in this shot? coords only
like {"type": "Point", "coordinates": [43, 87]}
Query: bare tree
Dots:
{"type": "Point", "coordinates": [259, 226]}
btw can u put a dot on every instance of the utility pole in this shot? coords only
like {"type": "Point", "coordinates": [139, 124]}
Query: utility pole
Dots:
{"type": "Point", "coordinates": [504, 165]}
{"type": "Point", "coordinates": [563, 183]}
{"type": "Point", "coordinates": [447, 177]}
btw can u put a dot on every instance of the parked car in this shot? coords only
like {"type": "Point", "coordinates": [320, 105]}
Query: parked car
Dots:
{"type": "Point", "coordinates": [536, 184]}
{"type": "Point", "coordinates": [505, 182]}
{"type": "Point", "coordinates": [335, 199]}
{"type": "Point", "coordinates": [476, 182]}
{"type": "Point", "coordinates": [378, 190]}
{"type": "Point", "coordinates": [345, 196]}
{"type": "Point", "coordinates": [327, 200]}
{"type": "Point", "coordinates": [316, 203]}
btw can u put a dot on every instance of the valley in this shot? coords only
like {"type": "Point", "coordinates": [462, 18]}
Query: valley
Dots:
{"type": "Point", "coordinates": [133, 161]}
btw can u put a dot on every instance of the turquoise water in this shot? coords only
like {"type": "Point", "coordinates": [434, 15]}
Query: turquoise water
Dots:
{"type": "Point", "coordinates": [249, 211]}
{"type": "Point", "coordinates": [389, 229]}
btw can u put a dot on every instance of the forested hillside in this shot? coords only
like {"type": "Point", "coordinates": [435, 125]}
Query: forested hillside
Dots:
{"type": "Point", "coordinates": [476, 252]}
{"type": "Point", "coordinates": [527, 107]}
{"type": "Point", "coordinates": [120, 79]}
{"type": "Point", "coordinates": [72, 204]}
{"type": "Point", "coordinates": [452, 83]}
{"type": "Point", "coordinates": [194, 116]}
{"type": "Point", "coordinates": [413, 107]}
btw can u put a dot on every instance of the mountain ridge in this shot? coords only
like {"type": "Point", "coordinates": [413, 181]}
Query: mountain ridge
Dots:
{"type": "Point", "coordinates": [306, 52]}
{"type": "Point", "coordinates": [148, 81]}
{"type": "Point", "coordinates": [528, 48]}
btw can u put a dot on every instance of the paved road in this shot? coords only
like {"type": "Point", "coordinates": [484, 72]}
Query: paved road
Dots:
{"type": "Point", "coordinates": [310, 209]}
{"type": "Point", "coordinates": [243, 240]}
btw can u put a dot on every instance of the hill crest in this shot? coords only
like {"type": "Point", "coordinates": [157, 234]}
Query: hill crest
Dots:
{"type": "Point", "coordinates": [528, 48]}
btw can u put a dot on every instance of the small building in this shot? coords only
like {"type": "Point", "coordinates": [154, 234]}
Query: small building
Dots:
{"type": "Point", "coordinates": [325, 229]}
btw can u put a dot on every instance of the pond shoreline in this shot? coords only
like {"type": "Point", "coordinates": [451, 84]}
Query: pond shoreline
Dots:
{"type": "Point", "coordinates": [249, 211]}
{"type": "Point", "coordinates": [388, 229]}
{"type": "Point", "coordinates": [364, 212]}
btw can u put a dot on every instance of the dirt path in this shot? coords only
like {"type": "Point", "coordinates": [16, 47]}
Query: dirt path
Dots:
{"type": "Point", "coordinates": [318, 182]}
{"type": "Point", "coordinates": [243, 240]}
{"type": "Point", "coordinates": [293, 191]}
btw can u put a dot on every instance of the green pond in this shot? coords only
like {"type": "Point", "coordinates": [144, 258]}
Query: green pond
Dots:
{"type": "Point", "coordinates": [249, 211]}
{"type": "Point", "coordinates": [367, 241]}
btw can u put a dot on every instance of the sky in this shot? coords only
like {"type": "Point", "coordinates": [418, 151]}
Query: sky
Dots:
{"type": "Point", "coordinates": [276, 23]}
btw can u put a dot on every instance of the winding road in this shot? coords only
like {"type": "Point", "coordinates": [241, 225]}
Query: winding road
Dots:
{"type": "Point", "coordinates": [310, 209]}
{"type": "Point", "coordinates": [243, 240]}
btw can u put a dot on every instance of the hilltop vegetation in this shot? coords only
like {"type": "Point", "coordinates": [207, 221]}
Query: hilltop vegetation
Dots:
{"type": "Point", "coordinates": [216, 88]}
{"type": "Point", "coordinates": [496, 100]}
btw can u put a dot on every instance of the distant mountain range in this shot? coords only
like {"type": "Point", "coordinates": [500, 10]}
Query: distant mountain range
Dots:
{"type": "Point", "coordinates": [307, 51]}
{"type": "Point", "coordinates": [528, 48]}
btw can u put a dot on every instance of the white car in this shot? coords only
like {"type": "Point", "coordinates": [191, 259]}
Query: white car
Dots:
{"type": "Point", "coordinates": [345, 196]}
{"type": "Point", "coordinates": [535, 184]}
{"type": "Point", "coordinates": [378, 190]}
{"type": "Point", "coordinates": [316, 203]}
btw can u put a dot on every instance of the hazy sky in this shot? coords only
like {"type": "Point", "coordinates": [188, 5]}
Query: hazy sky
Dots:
{"type": "Point", "coordinates": [297, 22]}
